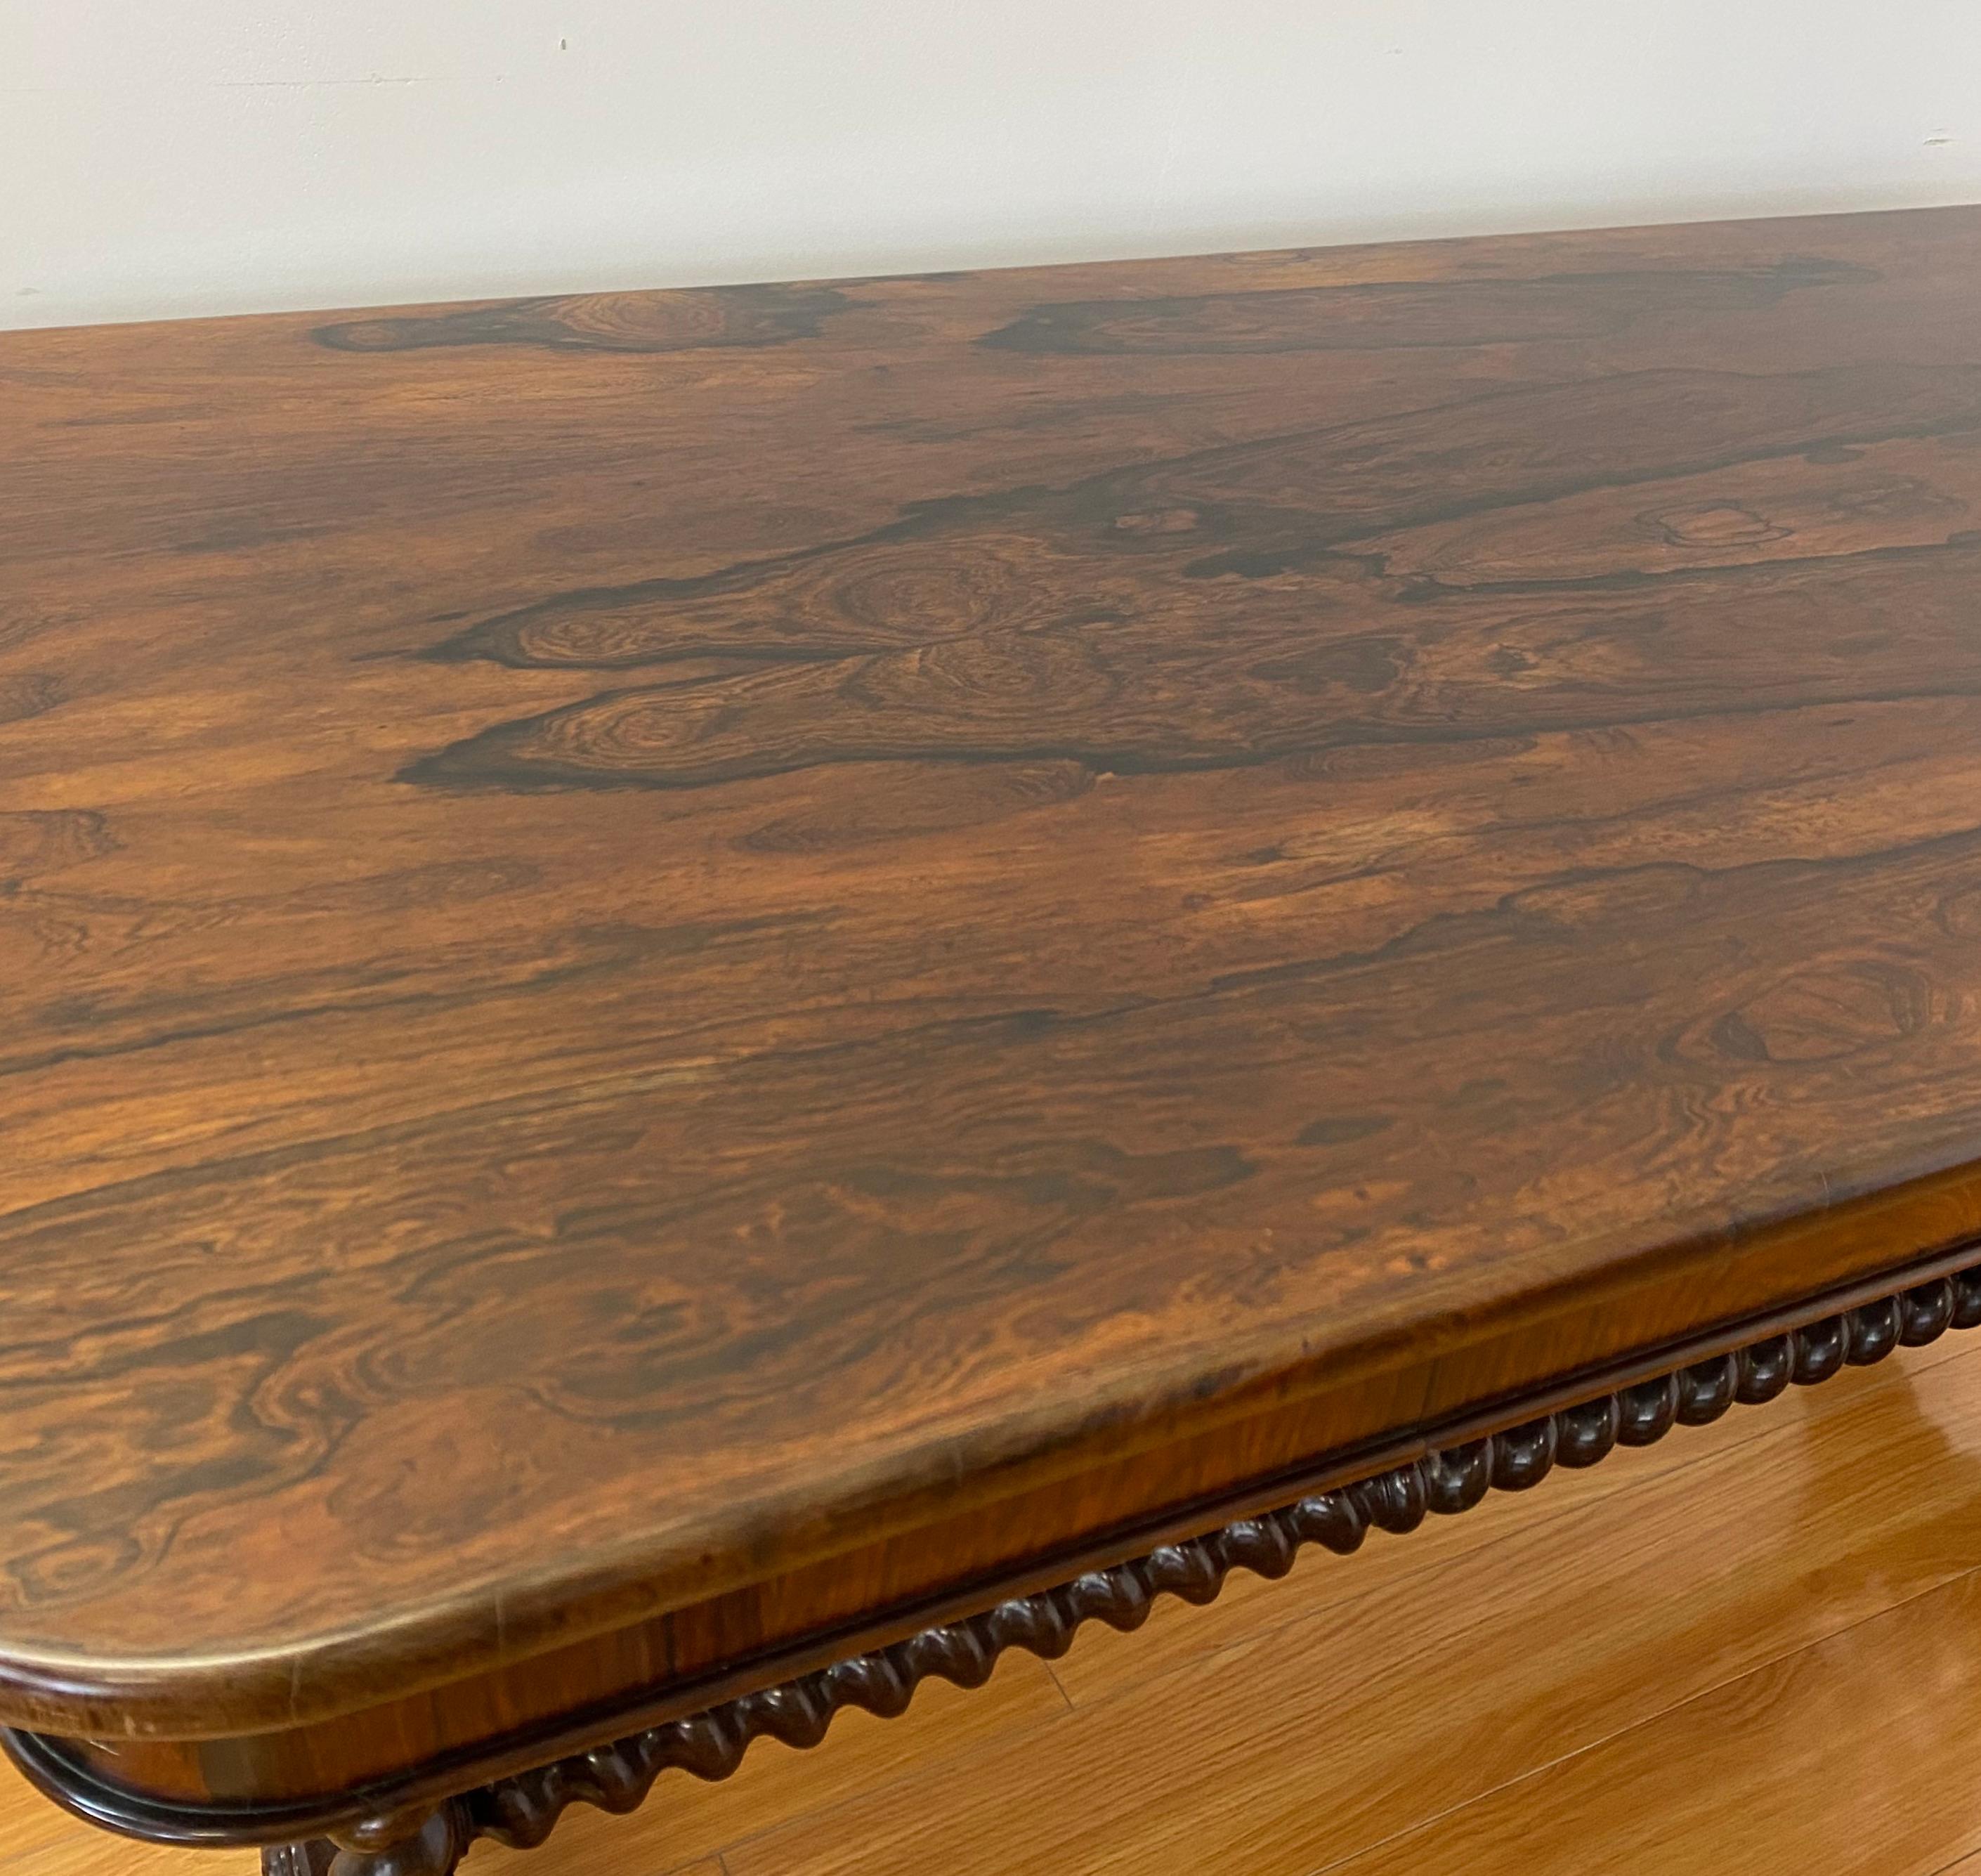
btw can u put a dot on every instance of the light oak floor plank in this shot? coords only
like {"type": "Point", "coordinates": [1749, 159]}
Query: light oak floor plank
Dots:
{"type": "Point", "coordinates": [1777, 1770]}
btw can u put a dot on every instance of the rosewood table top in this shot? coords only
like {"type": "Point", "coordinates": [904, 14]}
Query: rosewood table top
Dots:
{"type": "Point", "coordinates": [690, 963]}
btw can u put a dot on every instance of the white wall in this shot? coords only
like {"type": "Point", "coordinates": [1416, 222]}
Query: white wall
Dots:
{"type": "Point", "coordinates": [162, 157]}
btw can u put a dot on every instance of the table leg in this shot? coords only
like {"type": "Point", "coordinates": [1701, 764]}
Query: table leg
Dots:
{"type": "Point", "coordinates": [403, 1844]}
{"type": "Point", "coordinates": [309, 1859]}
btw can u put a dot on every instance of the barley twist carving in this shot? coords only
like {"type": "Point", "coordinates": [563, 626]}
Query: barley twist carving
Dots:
{"type": "Point", "coordinates": [521, 1811]}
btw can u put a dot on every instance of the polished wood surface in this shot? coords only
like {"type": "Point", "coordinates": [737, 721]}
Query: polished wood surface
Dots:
{"type": "Point", "coordinates": [656, 945]}
{"type": "Point", "coordinates": [1775, 1650]}
{"type": "Point", "coordinates": [521, 1801]}
{"type": "Point", "coordinates": [403, 1756]}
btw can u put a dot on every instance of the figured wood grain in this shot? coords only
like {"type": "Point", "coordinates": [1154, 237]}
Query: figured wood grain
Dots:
{"type": "Point", "coordinates": [654, 942]}
{"type": "Point", "coordinates": [576, 1706]}
{"type": "Point", "coordinates": [1818, 1455]}
{"type": "Point", "coordinates": [522, 1810]}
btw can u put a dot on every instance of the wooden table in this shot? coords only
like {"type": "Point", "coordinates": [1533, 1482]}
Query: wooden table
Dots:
{"type": "Point", "coordinates": [713, 1000]}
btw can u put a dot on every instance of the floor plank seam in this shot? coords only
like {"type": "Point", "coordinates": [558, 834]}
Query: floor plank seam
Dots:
{"type": "Point", "coordinates": [1965, 1857]}
{"type": "Point", "coordinates": [1647, 1720]}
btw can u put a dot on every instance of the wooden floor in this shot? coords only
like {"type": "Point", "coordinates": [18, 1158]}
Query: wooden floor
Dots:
{"type": "Point", "coordinates": [1756, 1647]}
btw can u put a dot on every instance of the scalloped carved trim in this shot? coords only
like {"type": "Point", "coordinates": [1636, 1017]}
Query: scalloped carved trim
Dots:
{"type": "Point", "coordinates": [521, 1811]}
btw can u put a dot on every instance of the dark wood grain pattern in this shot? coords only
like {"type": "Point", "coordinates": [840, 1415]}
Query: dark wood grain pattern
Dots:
{"type": "Point", "coordinates": [521, 1811]}
{"type": "Point", "coordinates": [428, 1838]}
{"type": "Point", "coordinates": [678, 967]}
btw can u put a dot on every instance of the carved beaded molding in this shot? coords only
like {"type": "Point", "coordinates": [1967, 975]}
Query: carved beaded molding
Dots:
{"type": "Point", "coordinates": [520, 1811]}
